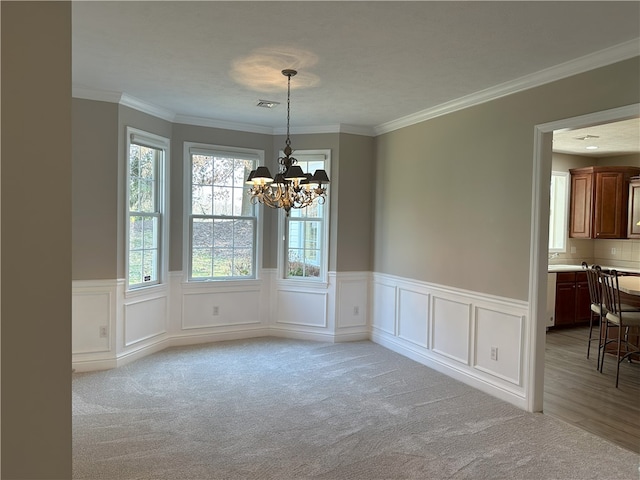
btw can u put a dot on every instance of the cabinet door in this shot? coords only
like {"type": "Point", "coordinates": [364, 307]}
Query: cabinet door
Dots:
{"type": "Point", "coordinates": [565, 304]}
{"type": "Point", "coordinates": [581, 204]}
{"type": "Point", "coordinates": [610, 216]}
{"type": "Point", "coordinates": [583, 302]}
{"type": "Point", "coordinates": [633, 228]}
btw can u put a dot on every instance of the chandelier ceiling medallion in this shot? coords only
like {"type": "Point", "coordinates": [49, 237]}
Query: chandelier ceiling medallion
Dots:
{"type": "Point", "coordinates": [291, 187]}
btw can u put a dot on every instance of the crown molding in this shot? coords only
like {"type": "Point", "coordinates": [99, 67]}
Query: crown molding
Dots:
{"type": "Point", "coordinates": [602, 58]}
{"type": "Point", "coordinates": [144, 107]}
{"type": "Point", "coordinates": [358, 130]}
{"type": "Point", "coordinates": [316, 129]}
{"type": "Point", "coordinates": [122, 99]}
{"type": "Point", "coordinates": [97, 95]}
{"type": "Point", "coordinates": [210, 122]}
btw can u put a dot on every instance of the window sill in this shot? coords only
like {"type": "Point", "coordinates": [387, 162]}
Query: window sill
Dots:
{"type": "Point", "coordinates": [290, 282]}
{"type": "Point", "coordinates": [207, 284]}
{"type": "Point", "coordinates": [157, 289]}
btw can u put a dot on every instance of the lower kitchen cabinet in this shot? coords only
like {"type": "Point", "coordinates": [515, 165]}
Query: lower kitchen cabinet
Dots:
{"type": "Point", "coordinates": [573, 304]}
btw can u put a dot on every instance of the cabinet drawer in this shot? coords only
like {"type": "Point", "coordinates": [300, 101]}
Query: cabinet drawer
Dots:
{"type": "Point", "coordinates": [566, 277]}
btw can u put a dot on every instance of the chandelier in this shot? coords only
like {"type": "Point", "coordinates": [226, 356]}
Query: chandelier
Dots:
{"type": "Point", "coordinates": [291, 187]}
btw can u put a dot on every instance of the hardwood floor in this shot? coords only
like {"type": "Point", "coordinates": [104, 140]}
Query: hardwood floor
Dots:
{"type": "Point", "coordinates": [577, 393]}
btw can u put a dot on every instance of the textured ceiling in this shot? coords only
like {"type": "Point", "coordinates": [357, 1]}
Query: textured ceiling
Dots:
{"type": "Point", "coordinates": [361, 63]}
{"type": "Point", "coordinates": [611, 139]}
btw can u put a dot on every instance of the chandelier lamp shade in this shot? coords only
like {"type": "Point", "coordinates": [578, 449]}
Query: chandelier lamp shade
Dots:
{"type": "Point", "coordinates": [291, 187]}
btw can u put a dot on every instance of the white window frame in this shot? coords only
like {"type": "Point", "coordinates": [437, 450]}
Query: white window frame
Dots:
{"type": "Point", "coordinates": [135, 136]}
{"type": "Point", "coordinates": [307, 155]}
{"type": "Point", "coordinates": [203, 148]}
{"type": "Point", "coordinates": [559, 211]}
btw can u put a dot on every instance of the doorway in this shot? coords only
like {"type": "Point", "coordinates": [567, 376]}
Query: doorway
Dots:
{"type": "Point", "coordinates": [540, 227]}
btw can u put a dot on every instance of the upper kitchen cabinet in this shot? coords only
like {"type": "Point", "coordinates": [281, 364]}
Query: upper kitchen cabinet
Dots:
{"type": "Point", "coordinates": [633, 228]}
{"type": "Point", "coordinates": [600, 201]}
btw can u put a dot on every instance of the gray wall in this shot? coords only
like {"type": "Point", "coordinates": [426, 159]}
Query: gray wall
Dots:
{"type": "Point", "coordinates": [36, 240]}
{"type": "Point", "coordinates": [620, 160]}
{"type": "Point", "coordinates": [94, 200]}
{"type": "Point", "coordinates": [355, 187]}
{"type": "Point", "coordinates": [562, 162]}
{"type": "Point", "coordinates": [453, 194]}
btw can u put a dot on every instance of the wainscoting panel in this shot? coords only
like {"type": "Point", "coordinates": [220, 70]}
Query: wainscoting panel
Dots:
{"type": "Point", "coordinates": [451, 328]}
{"type": "Point", "coordinates": [502, 332]}
{"type": "Point", "coordinates": [413, 316]}
{"type": "Point", "coordinates": [302, 308]}
{"type": "Point", "coordinates": [204, 309]}
{"type": "Point", "coordinates": [144, 319]}
{"type": "Point", "coordinates": [94, 307]}
{"type": "Point", "coordinates": [383, 315]}
{"type": "Point", "coordinates": [352, 302]}
{"type": "Point", "coordinates": [92, 321]}
{"type": "Point", "coordinates": [461, 327]}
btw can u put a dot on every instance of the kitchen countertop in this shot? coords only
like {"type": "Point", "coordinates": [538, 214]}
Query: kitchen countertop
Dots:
{"type": "Point", "coordinates": [630, 285]}
{"type": "Point", "coordinates": [577, 268]}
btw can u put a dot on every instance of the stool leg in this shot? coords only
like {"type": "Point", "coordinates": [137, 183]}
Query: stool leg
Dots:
{"type": "Point", "coordinates": [605, 323]}
{"type": "Point", "coordinates": [618, 355]}
{"type": "Point", "coordinates": [590, 330]}
{"type": "Point", "coordinates": [600, 346]}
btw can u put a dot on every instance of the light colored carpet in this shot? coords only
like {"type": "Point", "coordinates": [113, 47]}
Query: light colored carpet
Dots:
{"type": "Point", "coordinates": [287, 409]}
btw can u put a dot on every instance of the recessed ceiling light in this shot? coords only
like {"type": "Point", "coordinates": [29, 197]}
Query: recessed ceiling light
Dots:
{"type": "Point", "coordinates": [591, 147]}
{"type": "Point", "coordinates": [267, 103]}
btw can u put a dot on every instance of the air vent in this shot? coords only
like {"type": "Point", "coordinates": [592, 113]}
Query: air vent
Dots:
{"type": "Point", "coordinates": [587, 137]}
{"type": "Point", "coordinates": [267, 103]}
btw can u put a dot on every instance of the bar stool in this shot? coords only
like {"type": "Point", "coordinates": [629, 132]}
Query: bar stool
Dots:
{"type": "Point", "coordinates": [615, 316]}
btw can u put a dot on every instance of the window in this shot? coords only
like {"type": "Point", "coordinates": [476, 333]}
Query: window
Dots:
{"type": "Point", "coordinates": [305, 229]}
{"type": "Point", "coordinates": [222, 221]}
{"type": "Point", "coordinates": [146, 205]}
{"type": "Point", "coordinates": [558, 212]}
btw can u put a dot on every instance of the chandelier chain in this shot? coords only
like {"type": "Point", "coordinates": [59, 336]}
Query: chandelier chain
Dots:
{"type": "Point", "coordinates": [288, 140]}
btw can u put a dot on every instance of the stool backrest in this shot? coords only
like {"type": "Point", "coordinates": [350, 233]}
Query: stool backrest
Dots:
{"type": "Point", "coordinates": [595, 288]}
{"type": "Point", "coordinates": [610, 292]}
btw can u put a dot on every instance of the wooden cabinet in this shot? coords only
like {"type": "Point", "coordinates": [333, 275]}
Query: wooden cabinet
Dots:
{"type": "Point", "coordinates": [599, 201]}
{"type": "Point", "coordinates": [573, 304]}
{"type": "Point", "coordinates": [581, 210]}
{"type": "Point", "coordinates": [633, 226]}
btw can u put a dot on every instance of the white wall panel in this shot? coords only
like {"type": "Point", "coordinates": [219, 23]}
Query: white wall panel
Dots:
{"type": "Point", "coordinates": [352, 303]}
{"type": "Point", "coordinates": [90, 311]}
{"type": "Point", "coordinates": [384, 308]}
{"type": "Point", "coordinates": [504, 331]}
{"type": "Point", "coordinates": [144, 319]}
{"type": "Point", "coordinates": [202, 310]}
{"type": "Point", "coordinates": [451, 328]}
{"type": "Point", "coordinates": [413, 316]}
{"type": "Point", "coordinates": [301, 308]}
